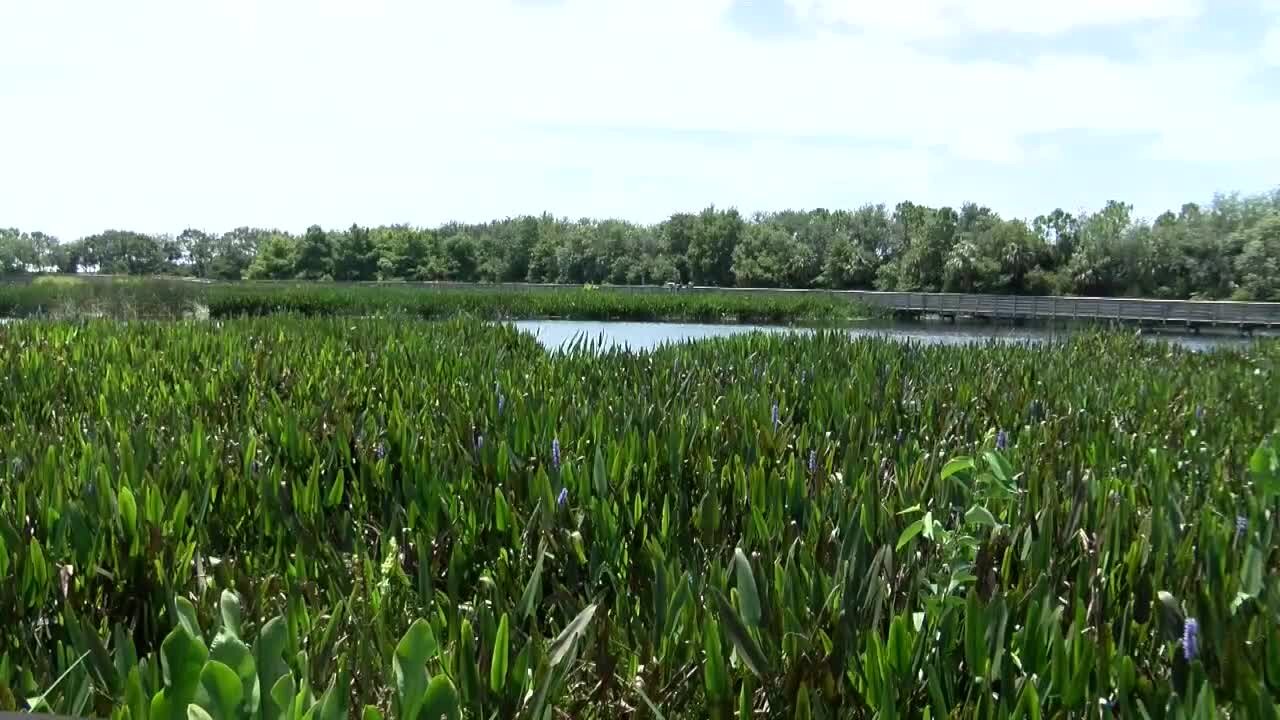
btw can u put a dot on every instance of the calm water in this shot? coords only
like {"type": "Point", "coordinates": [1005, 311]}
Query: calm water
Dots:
{"type": "Point", "coordinates": [555, 334]}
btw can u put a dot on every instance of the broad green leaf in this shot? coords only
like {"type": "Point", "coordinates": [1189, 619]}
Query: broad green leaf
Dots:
{"type": "Point", "coordinates": [748, 594]}
{"type": "Point", "coordinates": [182, 659]}
{"type": "Point", "coordinates": [187, 618]}
{"type": "Point", "coordinates": [569, 635]}
{"type": "Point", "coordinates": [909, 533]}
{"type": "Point", "coordinates": [533, 588]}
{"type": "Point", "coordinates": [229, 604]}
{"type": "Point", "coordinates": [979, 515]}
{"type": "Point", "coordinates": [410, 665]}
{"type": "Point", "coordinates": [748, 650]}
{"type": "Point", "coordinates": [220, 692]}
{"type": "Point", "coordinates": [955, 465]}
{"type": "Point", "coordinates": [498, 662]}
{"type": "Point", "coordinates": [441, 701]}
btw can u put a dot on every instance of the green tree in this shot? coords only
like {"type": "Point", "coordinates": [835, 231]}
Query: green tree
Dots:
{"type": "Point", "coordinates": [315, 255]}
{"type": "Point", "coordinates": [769, 256]}
{"type": "Point", "coordinates": [275, 260]}
{"type": "Point", "coordinates": [356, 256]}
{"type": "Point", "coordinates": [1259, 263]}
{"type": "Point", "coordinates": [711, 246]}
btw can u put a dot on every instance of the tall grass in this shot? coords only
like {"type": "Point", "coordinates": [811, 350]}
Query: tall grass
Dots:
{"type": "Point", "coordinates": [158, 298]}
{"type": "Point", "coordinates": [226, 515]}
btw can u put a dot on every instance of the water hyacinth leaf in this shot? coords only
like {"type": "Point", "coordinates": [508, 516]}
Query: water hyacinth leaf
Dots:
{"type": "Point", "coordinates": [441, 700]}
{"type": "Point", "coordinates": [715, 674]}
{"type": "Point", "coordinates": [569, 635]}
{"type": "Point", "coordinates": [410, 665]}
{"type": "Point", "coordinates": [1251, 573]}
{"type": "Point", "coordinates": [599, 478]}
{"type": "Point", "coordinates": [909, 533]}
{"type": "Point", "coordinates": [533, 588]}
{"type": "Point", "coordinates": [748, 593]}
{"type": "Point", "coordinates": [957, 465]}
{"type": "Point", "coordinates": [128, 510]}
{"type": "Point", "coordinates": [220, 691]}
{"type": "Point", "coordinates": [333, 703]}
{"type": "Point", "coordinates": [747, 648]}
{"type": "Point", "coordinates": [1172, 619]}
{"type": "Point", "coordinates": [229, 604]}
{"type": "Point", "coordinates": [230, 651]}
{"type": "Point", "coordinates": [182, 659]}
{"type": "Point", "coordinates": [657, 714]}
{"type": "Point", "coordinates": [268, 651]}
{"type": "Point", "coordinates": [979, 515]}
{"type": "Point", "coordinates": [187, 618]}
{"type": "Point", "coordinates": [498, 661]}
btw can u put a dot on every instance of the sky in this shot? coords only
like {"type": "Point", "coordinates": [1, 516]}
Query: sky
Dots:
{"type": "Point", "coordinates": [156, 115]}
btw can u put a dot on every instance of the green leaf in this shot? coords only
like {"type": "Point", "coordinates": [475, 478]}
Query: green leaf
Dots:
{"type": "Point", "coordinates": [1251, 575]}
{"type": "Point", "coordinates": [715, 675]}
{"type": "Point", "coordinates": [221, 691]}
{"type": "Point", "coordinates": [268, 651]}
{"type": "Point", "coordinates": [229, 604]}
{"type": "Point", "coordinates": [569, 635]}
{"type": "Point", "coordinates": [128, 510]}
{"type": "Point", "coordinates": [909, 533]}
{"type": "Point", "coordinates": [498, 662]}
{"type": "Point", "coordinates": [979, 515]}
{"type": "Point", "coordinates": [182, 657]}
{"type": "Point", "coordinates": [282, 694]}
{"type": "Point", "coordinates": [1171, 615]}
{"type": "Point", "coordinates": [187, 618]}
{"type": "Point", "coordinates": [748, 594]}
{"type": "Point", "coordinates": [333, 704]}
{"type": "Point", "coordinates": [657, 714]}
{"type": "Point", "coordinates": [741, 638]}
{"type": "Point", "coordinates": [410, 666]}
{"type": "Point", "coordinates": [598, 477]}
{"type": "Point", "coordinates": [955, 465]}
{"type": "Point", "coordinates": [195, 712]}
{"type": "Point", "coordinates": [900, 646]}
{"type": "Point", "coordinates": [230, 651]}
{"type": "Point", "coordinates": [533, 588]}
{"type": "Point", "coordinates": [441, 700]}
{"type": "Point", "coordinates": [371, 712]}
{"type": "Point", "coordinates": [975, 636]}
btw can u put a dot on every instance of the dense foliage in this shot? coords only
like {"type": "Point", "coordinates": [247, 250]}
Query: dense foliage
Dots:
{"type": "Point", "coordinates": [134, 298]}
{"type": "Point", "coordinates": [1229, 249]}
{"type": "Point", "coordinates": [229, 514]}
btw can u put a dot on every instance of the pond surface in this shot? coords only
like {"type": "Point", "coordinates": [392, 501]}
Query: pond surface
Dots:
{"type": "Point", "coordinates": [555, 334]}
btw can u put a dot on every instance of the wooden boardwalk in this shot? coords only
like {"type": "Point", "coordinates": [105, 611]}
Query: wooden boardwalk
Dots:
{"type": "Point", "coordinates": [1188, 314]}
{"type": "Point", "coordinates": [1193, 314]}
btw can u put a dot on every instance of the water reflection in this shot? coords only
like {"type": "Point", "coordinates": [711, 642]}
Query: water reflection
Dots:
{"type": "Point", "coordinates": [555, 334]}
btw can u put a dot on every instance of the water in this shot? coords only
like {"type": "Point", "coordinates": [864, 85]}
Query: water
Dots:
{"type": "Point", "coordinates": [554, 334]}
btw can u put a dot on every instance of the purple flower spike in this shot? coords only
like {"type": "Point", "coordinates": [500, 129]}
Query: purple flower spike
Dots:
{"type": "Point", "coordinates": [776, 420]}
{"type": "Point", "coordinates": [479, 443]}
{"type": "Point", "coordinates": [813, 462]}
{"type": "Point", "coordinates": [1002, 441]}
{"type": "Point", "coordinates": [1242, 525]}
{"type": "Point", "coordinates": [555, 454]}
{"type": "Point", "coordinates": [563, 497]}
{"type": "Point", "coordinates": [1190, 639]}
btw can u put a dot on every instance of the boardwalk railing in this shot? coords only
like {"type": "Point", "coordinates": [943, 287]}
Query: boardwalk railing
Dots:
{"type": "Point", "coordinates": [1011, 307]}
{"type": "Point", "coordinates": [1189, 312]}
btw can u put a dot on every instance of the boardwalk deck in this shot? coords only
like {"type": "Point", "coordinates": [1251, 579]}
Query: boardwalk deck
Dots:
{"type": "Point", "coordinates": [1193, 313]}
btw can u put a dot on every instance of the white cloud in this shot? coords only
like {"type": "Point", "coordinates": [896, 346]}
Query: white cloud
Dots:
{"type": "Point", "coordinates": [934, 18]}
{"type": "Point", "coordinates": [157, 113]}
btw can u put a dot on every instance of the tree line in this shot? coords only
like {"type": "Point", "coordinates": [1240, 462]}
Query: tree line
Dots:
{"type": "Point", "coordinates": [1227, 249]}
